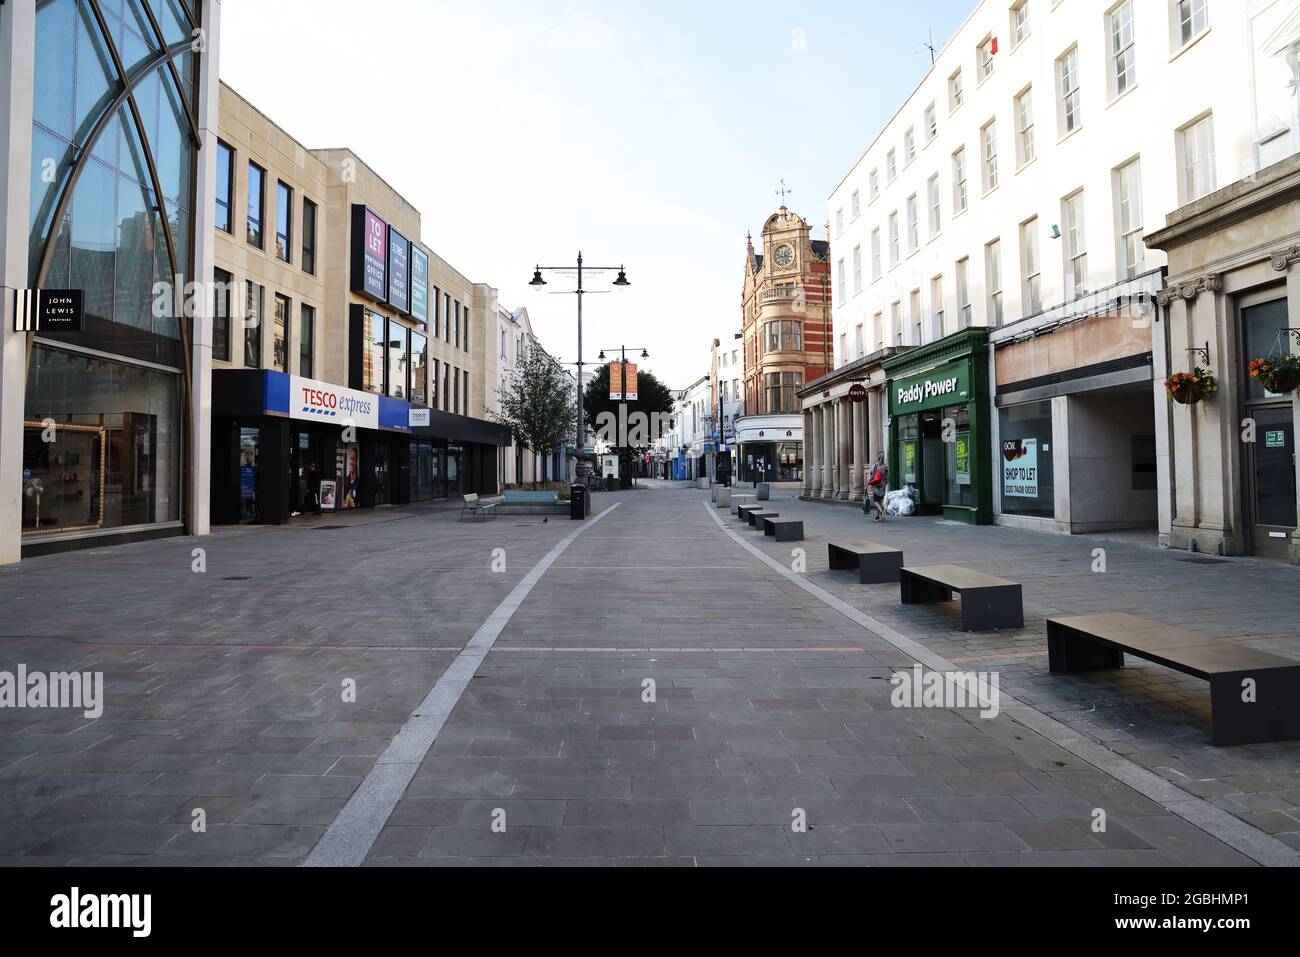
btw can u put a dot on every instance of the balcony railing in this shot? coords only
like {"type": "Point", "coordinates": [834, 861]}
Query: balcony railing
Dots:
{"type": "Point", "coordinates": [780, 294]}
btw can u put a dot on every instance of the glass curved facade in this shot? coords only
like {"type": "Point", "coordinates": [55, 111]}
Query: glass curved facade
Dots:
{"type": "Point", "coordinates": [114, 154]}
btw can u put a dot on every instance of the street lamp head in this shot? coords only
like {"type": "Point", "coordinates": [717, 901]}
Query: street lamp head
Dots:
{"type": "Point", "coordinates": [622, 278]}
{"type": "Point", "coordinates": [601, 357]}
{"type": "Point", "coordinates": [537, 278]}
{"type": "Point", "coordinates": [644, 354]}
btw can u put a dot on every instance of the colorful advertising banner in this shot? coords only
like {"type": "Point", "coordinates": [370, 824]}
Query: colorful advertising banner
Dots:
{"type": "Point", "coordinates": [616, 381]}
{"type": "Point", "coordinates": [961, 452]}
{"type": "Point", "coordinates": [399, 271]}
{"type": "Point", "coordinates": [369, 253]}
{"type": "Point", "coordinates": [1020, 468]}
{"type": "Point", "coordinates": [629, 387]}
{"type": "Point", "coordinates": [419, 284]}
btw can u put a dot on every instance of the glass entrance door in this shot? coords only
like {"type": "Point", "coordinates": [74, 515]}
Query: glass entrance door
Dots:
{"type": "Point", "coordinates": [250, 446]}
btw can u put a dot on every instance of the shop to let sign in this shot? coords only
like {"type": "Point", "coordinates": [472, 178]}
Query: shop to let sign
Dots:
{"type": "Point", "coordinates": [1020, 468]}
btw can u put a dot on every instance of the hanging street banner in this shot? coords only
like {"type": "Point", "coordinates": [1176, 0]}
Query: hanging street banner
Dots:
{"type": "Point", "coordinates": [629, 387]}
{"type": "Point", "coordinates": [49, 310]}
{"type": "Point", "coordinates": [615, 381]}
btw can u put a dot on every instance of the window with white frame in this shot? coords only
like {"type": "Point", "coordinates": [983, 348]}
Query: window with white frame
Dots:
{"type": "Point", "coordinates": [931, 123]}
{"type": "Point", "coordinates": [1123, 50]}
{"type": "Point", "coordinates": [874, 185]}
{"type": "Point", "coordinates": [1019, 21]}
{"type": "Point", "coordinates": [909, 145]}
{"type": "Point", "coordinates": [1025, 127]}
{"type": "Point", "coordinates": [896, 322]}
{"type": "Point", "coordinates": [1067, 86]}
{"type": "Point", "coordinates": [857, 270]}
{"type": "Point", "coordinates": [891, 166]}
{"type": "Point", "coordinates": [932, 198]}
{"type": "Point", "coordinates": [989, 141]}
{"type": "Point", "coordinates": [936, 307]}
{"type": "Point", "coordinates": [1076, 246]}
{"type": "Point", "coordinates": [960, 193]}
{"type": "Point", "coordinates": [1191, 18]}
{"type": "Point", "coordinates": [964, 309]}
{"type": "Point", "coordinates": [1030, 268]}
{"type": "Point", "coordinates": [856, 204]}
{"type": "Point", "coordinates": [913, 224]}
{"type": "Point", "coordinates": [1128, 199]}
{"type": "Point", "coordinates": [956, 93]}
{"type": "Point", "coordinates": [875, 254]}
{"type": "Point", "coordinates": [893, 238]}
{"type": "Point", "coordinates": [1196, 155]}
{"type": "Point", "coordinates": [993, 280]}
{"type": "Point", "coordinates": [839, 221]}
{"type": "Point", "coordinates": [878, 329]}
{"type": "Point", "coordinates": [844, 348]}
{"type": "Point", "coordinates": [842, 285]}
{"type": "Point", "coordinates": [859, 341]}
{"type": "Point", "coordinates": [918, 333]}
{"type": "Point", "coordinates": [984, 58]}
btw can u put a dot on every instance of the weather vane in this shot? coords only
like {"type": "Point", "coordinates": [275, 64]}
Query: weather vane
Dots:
{"type": "Point", "coordinates": [783, 192]}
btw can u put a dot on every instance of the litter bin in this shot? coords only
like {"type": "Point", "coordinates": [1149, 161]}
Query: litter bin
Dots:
{"type": "Point", "coordinates": [579, 503]}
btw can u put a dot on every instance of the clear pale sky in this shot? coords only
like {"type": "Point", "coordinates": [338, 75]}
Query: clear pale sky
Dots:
{"type": "Point", "coordinates": [648, 133]}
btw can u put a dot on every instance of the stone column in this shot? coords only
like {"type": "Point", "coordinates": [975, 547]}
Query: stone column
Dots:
{"type": "Point", "coordinates": [876, 438]}
{"type": "Point", "coordinates": [813, 453]}
{"type": "Point", "coordinates": [807, 482]}
{"type": "Point", "coordinates": [844, 448]}
{"type": "Point", "coordinates": [857, 472]}
{"type": "Point", "coordinates": [17, 56]}
{"type": "Point", "coordinates": [829, 484]}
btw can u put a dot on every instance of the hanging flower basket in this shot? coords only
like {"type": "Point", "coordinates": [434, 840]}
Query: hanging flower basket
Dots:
{"type": "Point", "coordinates": [1278, 374]}
{"type": "Point", "coordinates": [1188, 388]}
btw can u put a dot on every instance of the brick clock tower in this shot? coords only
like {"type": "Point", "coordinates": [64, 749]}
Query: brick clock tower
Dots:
{"type": "Point", "coordinates": [786, 327]}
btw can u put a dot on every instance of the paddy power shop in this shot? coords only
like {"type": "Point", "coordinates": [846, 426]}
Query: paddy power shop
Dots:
{"type": "Point", "coordinates": [939, 427]}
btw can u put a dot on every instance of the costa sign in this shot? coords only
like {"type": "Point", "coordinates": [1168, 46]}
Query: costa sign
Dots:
{"type": "Point", "coordinates": [314, 401]}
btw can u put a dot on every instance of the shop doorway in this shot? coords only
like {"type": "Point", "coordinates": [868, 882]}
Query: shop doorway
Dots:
{"type": "Point", "coordinates": [304, 453]}
{"type": "Point", "coordinates": [455, 463]}
{"type": "Point", "coordinates": [250, 448]}
{"type": "Point", "coordinates": [382, 494]}
{"type": "Point", "coordinates": [1270, 487]}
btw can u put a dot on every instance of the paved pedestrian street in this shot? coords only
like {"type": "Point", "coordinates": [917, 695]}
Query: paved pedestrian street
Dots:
{"type": "Point", "coordinates": [659, 685]}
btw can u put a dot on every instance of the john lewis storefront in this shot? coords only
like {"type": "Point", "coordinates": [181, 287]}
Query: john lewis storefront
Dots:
{"type": "Point", "coordinates": [939, 427]}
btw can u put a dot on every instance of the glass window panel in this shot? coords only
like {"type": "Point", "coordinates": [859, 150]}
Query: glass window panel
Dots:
{"type": "Point", "coordinates": [56, 29]}
{"type": "Point", "coordinates": [136, 257]}
{"type": "Point", "coordinates": [1025, 460]}
{"type": "Point", "coordinates": [94, 233]}
{"type": "Point", "coordinates": [419, 367]}
{"type": "Point", "coordinates": [223, 297]}
{"type": "Point", "coordinates": [253, 326]}
{"type": "Point", "coordinates": [372, 366]}
{"type": "Point", "coordinates": [96, 81]}
{"type": "Point", "coordinates": [280, 335]}
{"type": "Point", "coordinates": [307, 343]}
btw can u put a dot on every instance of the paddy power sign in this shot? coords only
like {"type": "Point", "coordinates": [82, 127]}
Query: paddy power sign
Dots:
{"type": "Point", "coordinates": [947, 385]}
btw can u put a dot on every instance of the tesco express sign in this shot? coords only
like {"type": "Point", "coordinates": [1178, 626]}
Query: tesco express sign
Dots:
{"type": "Point", "coordinates": [314, 401]}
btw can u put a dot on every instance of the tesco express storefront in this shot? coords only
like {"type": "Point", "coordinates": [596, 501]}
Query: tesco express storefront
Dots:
{"type": "Point", "coordinates": [269, 428]}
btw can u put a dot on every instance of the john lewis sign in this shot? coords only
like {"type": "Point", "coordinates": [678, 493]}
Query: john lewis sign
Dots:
{"type": "Point", "coordinates": [946, 385]}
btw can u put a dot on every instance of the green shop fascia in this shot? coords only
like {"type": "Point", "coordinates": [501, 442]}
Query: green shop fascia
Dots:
{"type": "Point", "coordinates": [939, 426]}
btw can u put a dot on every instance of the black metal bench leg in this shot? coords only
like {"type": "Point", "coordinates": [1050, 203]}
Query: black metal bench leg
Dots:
{"type": "Point", "coordinates": [879, 569]}
{"type": "Point", "coordinates": [1068, 653]}
{"type": "Point", "coordinates": [1271, 716]}
{"type": "Point", "coordinates": [989, 609]}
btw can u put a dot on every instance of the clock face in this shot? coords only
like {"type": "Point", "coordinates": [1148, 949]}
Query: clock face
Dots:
{"type": "Point", "coordinates": [784, 256]}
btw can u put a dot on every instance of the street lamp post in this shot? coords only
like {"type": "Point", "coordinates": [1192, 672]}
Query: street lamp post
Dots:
{"type": "Point", "coordinates": [580, 292]}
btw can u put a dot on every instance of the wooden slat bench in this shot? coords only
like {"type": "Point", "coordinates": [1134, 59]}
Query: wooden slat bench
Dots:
{"type": "Point", "coordinates": [875, 564]}
{"type": "Point", "coordinates": [987, 603]}
{"type": "Point", "coordinates": [1096, 642]}
{"type": "Point", "coordinates": [783, 529]}
{"type": "Point", "coordinates": [753, 515]}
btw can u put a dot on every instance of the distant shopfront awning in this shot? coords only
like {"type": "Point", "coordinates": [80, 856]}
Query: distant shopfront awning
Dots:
{"type": "Point", "coordinates": [461, 428]}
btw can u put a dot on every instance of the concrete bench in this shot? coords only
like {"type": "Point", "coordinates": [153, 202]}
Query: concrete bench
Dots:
{"type": "Point", "coordinates": [737, 501]}
{"type": "Point", "coordinates": [1095, 642]}
{"type": "Point", "coordinates": [764, 491]}
{"type": "Point", "coordinates": [476, 507]}
{"type": "Point", "coordinates": [724, 497]}
{"type": "Point", "coordinates": [754, 515]}
{"type": "Point", "coordinates": [875, 564]}
{"type": "Point", "coordinates": [520, 497]}
{"type": "Point", "coordinates": [987, 603]}
{"type": "Point", "coordinates": [783, 529]}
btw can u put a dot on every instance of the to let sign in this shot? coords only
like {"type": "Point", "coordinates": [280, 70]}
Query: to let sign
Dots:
{"type": "Point", "coordinates": [48, 310]}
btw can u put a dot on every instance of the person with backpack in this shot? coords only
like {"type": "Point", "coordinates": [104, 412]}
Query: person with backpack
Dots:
{"type": "Point", "coordinates": [877, 485]}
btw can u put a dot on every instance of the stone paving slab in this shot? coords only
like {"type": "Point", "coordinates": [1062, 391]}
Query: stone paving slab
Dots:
{"type": "Point", "coordinates": [768, 706]}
